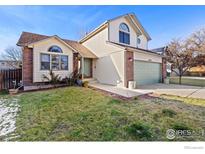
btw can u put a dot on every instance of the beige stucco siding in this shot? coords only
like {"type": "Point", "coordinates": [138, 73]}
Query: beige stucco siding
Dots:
{"type": "Point", "coordinates": [98, 44]}
{"type": "Point", "coordinates": [147, 57]}
{"type": "Point", "coordinates": [114, 33]}
{"type": "Point", "coordinates": [109, 67]}
{"type": "Point", "coordinates": [42, 47]}
{"type": "Point", "coordinates": [144, 43]}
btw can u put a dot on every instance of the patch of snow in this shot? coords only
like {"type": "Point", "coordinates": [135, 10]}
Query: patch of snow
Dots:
{"type": "Point", "coordinates": [8, 111]}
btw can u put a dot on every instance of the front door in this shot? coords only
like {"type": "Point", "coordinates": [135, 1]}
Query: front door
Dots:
{"type": "Point", "coordinates": [87, 68]}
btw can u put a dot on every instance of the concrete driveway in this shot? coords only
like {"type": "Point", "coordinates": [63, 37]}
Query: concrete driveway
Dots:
{"type": "Point", "coordinates": [124, 92]}
{"type": "Point", "coordinates": [174, 89]}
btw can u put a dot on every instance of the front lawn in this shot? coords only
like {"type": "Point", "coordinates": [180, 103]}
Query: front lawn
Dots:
{"type": "Point", "coordinates": [189, 80]}
{"type": "Point", "coordinates": [81, 114]}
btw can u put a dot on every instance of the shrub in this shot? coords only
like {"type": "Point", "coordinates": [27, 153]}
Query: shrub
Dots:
{"type": "Point", "coordinates": [139, 131]}
{"type": "Point", "coordinates": [168, 112]}
{"type": "Point", "coordinates": [85, 84]}
{"type": "Point", "coordinates": [4, 92]}
{"type": "Point", "coordinates": [68, 81]}
{"type": "Point", "coordinates": [52, 77]}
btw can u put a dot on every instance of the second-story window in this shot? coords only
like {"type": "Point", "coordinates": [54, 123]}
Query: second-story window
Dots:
{"type": "Point", "coordinates": [124, 34]}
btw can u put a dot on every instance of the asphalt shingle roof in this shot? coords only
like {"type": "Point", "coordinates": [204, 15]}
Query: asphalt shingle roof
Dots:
{"type": "Point", "coordinates": [28, 38]}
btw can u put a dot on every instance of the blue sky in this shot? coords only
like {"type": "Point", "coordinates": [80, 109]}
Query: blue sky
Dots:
{"type": "Point", "coordinates": [163, 23]}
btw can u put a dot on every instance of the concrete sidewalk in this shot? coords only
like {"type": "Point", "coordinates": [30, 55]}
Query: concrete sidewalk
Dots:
{"type": "Point", "coordinates": [174, 89]}
{"type": "Point", "coordinates": [169, 89]}
{"type": "Point", "coordinates": [119, 90]}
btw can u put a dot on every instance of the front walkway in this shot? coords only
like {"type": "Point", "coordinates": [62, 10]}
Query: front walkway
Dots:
{"type": "Point", "coordinates": [175, 89]}
{"type": "Point", "coordinates": [128, 93]}
{"type": "Point", "coordinates": [168, 89]}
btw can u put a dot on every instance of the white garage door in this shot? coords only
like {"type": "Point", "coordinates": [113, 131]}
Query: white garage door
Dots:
{"type": "Point", "coordinates": [147, 72]}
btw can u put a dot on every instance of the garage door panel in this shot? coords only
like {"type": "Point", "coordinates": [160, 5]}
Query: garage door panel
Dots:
{"type": "Point", "coordinates": [147, 72]}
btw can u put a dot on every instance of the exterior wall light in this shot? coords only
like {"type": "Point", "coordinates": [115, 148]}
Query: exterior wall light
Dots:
{"type": "Point", "coordinates": [130, 59]}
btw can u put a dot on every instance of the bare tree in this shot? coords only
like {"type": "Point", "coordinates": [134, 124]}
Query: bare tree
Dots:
{"type": "Point", "coordinates": [184, 54]}
{"type": "Point", "coordinates": [181, 56]}
{"type": "Point", "coordinates": [197, 44]}
{"type": "Point", "coordinates": [13, 55]}
{"type": "Point", "coordinates": [197, 41]}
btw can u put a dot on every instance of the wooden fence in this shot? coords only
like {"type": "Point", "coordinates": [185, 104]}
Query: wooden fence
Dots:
{"type": "Point", "coordinates": [7, 77]}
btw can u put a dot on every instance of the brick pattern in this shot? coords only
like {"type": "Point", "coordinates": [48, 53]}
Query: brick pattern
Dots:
{"type": "Point", "coordinates": [27, 69]}
{"type": "Point", "coordinates": [164, 69]}
{"type": "Point", "coordinates": [129, 67]}
{"type": "Point", "coordinates": [75, 63]}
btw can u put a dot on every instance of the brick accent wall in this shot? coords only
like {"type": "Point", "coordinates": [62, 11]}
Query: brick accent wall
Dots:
{"type": "Point", "coordinates": [129, 67]}
{"type": "Point", "coordinates": [164, 69]}
{"type": "Point", "coordinates": [27, 69]}
{"type": "Point", "coordinates": [75, 63]}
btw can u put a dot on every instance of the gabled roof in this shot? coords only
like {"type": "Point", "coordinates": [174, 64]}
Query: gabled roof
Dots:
{"type": "Point", "coordinates": [160, 50]}
{"type": "Point", "coordinates": [27, 38]}
{"type": "Point", "coordinates": [95, 31]}
{"type": "Point", "coordinates": [132, 17]}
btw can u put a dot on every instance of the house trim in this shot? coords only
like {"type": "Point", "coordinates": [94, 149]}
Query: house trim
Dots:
{"type": "Point", "coordinates": [94, 32]}
{"type": "Point", "coordinates": [55, 36]}
{"type": "Point", "coordinates": [134, 49]}
{"type": "Point", "coordinates": [139, 28]}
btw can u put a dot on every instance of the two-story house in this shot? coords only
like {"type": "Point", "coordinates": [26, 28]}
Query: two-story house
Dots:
{"type": "Point", "coordinates": [114, 53]}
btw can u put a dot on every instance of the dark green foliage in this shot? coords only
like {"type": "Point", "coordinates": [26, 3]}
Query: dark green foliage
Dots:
{"type": "Point", "coordinates": [180, 126]}
{"type": "Point", "coordinates": [52, 78]}
{"type": "Point", "coordinates": [169, 112]}
{"type": "Point", "coordinates": [140, 131]}
{"type": "Point", "coordinates": [4, 92]}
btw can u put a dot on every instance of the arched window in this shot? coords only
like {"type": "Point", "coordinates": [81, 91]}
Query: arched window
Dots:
{"type": "Point", "coordinates": [124, 34]}
{"type": "Point", "coordinates": [124, 27]}
{"type": "Point", "coordinates": [55, 48]}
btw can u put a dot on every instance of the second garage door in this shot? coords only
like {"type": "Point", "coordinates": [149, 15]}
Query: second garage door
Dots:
{"type": "Point", "coordinates": [147, 72]}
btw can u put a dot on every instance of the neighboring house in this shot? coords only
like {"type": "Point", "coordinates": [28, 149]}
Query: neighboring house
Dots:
{"type": "Point", "coordinates": [114, 53]}
{"type": "Point", "coordinates": [196, 71]}
{"type": "Point", "coordinates": [6, 65]}
{"type": "Point", "coordinates": [162, 51]}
